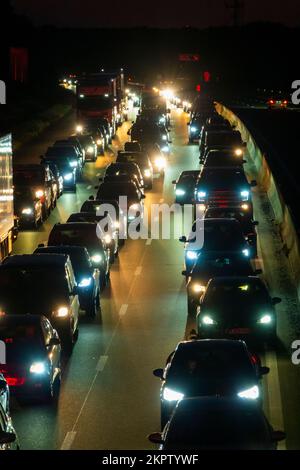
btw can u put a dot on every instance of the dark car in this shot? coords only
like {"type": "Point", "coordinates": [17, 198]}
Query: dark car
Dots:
{"type": "Point", "coordinates": [106, 229]}
{"type": "Point", "coordinates": [215, 235]}
{"type": "Point", "coordinates": [93, 129]}
{"type": "Point", "coordinates": [243, 215]}
{"type": "Point", "coordinates": [220, 140]}
{"type": "Point", "coordinates": [211, 265]}
{"type": "Point", "coordinates": [28, 208]}
{"type": "Point", "coordinates": [65, 166]}
{"type": "Point", "coordinates": [42, 285]}
{"type": "Point", "coordinates": [143, 162]}
{"type": "Point", "coordinates": [195, 125]}
{"type": "Point", "coordinates": [89, 145]}
{"type": "Point", "coordinates": [87, 277]}
{"type": "Point", "coordinates": [224, 158]}
{"type": "Point", "coordinates": [73, 145]}
{"type": "Point", "coordinates": [237, 307]}
{"type": "Point", "coordinates": [118, 216]}
{"type": "Point", "coordinates": [83, 234]}
{"type": "Point", "coordinates": [66, 153]}
{"type": "Point", "coordinates": [209, 368]}
{"type": "Point", "coordinates": [132, 147]}
{"type": "Point", "coordinates": [58, 177]}
{"type": "Point", "coordinates": [149, 135]}
{"type": "Point", "coordinates": [130, 169]}
{"type": "Point", "coordinates": [8, 436]}
{"type": "Point", "coordinates": [185, 186]}
{"type": "Point", "coordinates": [33, 356]}
{"type": "Point", "coordinates": [133, 204]}
{"type": "Point", "coordinates": [223, 187]}
{"type": "Point", "coordinates": [41, 182]}
{"type": "Point", "coordinates": [213, 423]}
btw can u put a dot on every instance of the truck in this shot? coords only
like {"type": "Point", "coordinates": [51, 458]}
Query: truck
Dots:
{"type": "Point", "coordinates": [101, 95]}
{"type": "Point", "coordinates": [7, 222]}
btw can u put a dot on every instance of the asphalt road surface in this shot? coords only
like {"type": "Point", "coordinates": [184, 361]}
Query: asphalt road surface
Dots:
{"type": "Point", "coordinates": [109, 397]}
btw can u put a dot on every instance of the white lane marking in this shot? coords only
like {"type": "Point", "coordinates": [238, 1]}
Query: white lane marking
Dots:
{"type": "Point", "coordinates": [101, 363]}
{"type": "Point", "coordinates": [138, 271]}
{"type": "Point", "coordinates": [148, 241]}
{"type": "Point", "coordinates": [89, 186]}
{"type": "Point", "coordinates": [68, 440]}
{"type": "Point", "coordinates": [78, 203]}
{"type": "Point", "coordinates": [274, 395]}
{"type": "Point", "coordinates": [123, 309]}
{"type": "Point", "coordinates": [98, 174]}
{"type": "Point", "coordinates": [161, 201]}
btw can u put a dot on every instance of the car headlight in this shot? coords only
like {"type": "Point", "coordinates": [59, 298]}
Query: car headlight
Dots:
{"type": "Point", "coordinates": [172, 395]}
{"type": "Point", "coordinates": [265, 319]}
{"type": "Point", "coordinates": [198, 288]}
{"type": "Point", "coordinates": [116, 224]}
{"type": "Point", "coordinates": [97, 258]}
{"type": "Point", "coordinates": [245, 195]}
{"type": "Point", "coordinates": [193, 129]}
{"type": "Point", "coordinates": [208, 320]}
{"type": "Point", "coordinates": [164, 137]}
{"type": "Point", "coordinates": [246, 252]}
{"type": "Point", "coordinates": [99, 141]}
{"type": "Point", "coordinates": [180, 192]}
{"type": "Point", "coordinates": [201, 194]}
{"type": "Point", "coordinates": [27, 211]}
{"type": "Point", "coordinates": [107, 238]}
{"type": "Point", "coordinates": [165, 149]}
{"type": "Point", "coordinates": [79, 128]}
{"type": "Point", "coordinates": [160, 162]}
{"type": "Point", "coordinates": [245, 207]}
{"type": "Point", "coordinates": [134, 207]}
{"type": "Point", "coordinates": [39, 193]}
{"type": "Point", "coordinates": [191, 255]}
{"type": "Point", "coordinates": [90, 149]}
{"type": "Point", "coordinates": [73, 164]}
{"type": "Point", "coordinates": [238, 152]}
{"type": "Point", "coordinates": [251, 393]}
{"type": "Point", "coordinates": [161, 120]}
{"type": "Point", "coordinates": [147, 173]}
{"type": "Point", "coordinates": [85, 282]}
{"type": "Point", "coordinates": [62, 312]}
{"type": "Point", "coordinates": [37, 368]}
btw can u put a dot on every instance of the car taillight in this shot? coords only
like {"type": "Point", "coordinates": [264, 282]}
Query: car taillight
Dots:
{"type": "Point", "coordinates": [15, 381]}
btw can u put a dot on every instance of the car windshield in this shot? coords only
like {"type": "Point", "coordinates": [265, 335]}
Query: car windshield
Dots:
{"type": "Point", "coordinates": [114, 191]}
{"type": "Point", "coordinates": [86, 140]}
{"type": "Point", "coordinates": [221, 159]}
{"type": "Point", "coordinates": [67, 151]}
{"type": "Point", "coordinates": [83, 236]}
{"type": "Point", "coordinates": [219, 236]}
{"type": "Point", "coordinates": [227, 180]}
{"type": "Point", "coordinates": [243, 293]}
{"type": "Point", "coordinates": [80, 261]}
{"type": "Point", "coordinates": [223, 266]}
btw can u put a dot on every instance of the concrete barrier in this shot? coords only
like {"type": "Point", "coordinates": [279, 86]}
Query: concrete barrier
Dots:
{"type": "Point", "coordinates": [266, 181]}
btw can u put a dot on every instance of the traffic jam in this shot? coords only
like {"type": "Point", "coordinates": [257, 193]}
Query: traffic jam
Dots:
{"type": "Point", "coordinates": [214, 372]}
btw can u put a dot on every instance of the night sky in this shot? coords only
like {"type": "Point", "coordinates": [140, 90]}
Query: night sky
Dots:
{"type": "Point", "coordinates": [163, 13]}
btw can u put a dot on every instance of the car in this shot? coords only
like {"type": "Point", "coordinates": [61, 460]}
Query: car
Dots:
{"type": "Point", "coordinates": [185, 186]}
{"type": "Point", "coordinates": [118, 216]}
{"type": "Point", "coordinates": [224, 159]}
{"type": "Point", "coordinates": [93, 128]}
{"type": "Point", "coordinates": [89, 145]}
{"type": "Point", "coordinates": [133, 146]}
{"type": "Point", "coordinates": [243, 215]}
{"type": "Point", "coordinates": [84, 234]}
{"type": "Point", "coordinates": [157, 158]}
{"type": "Point", "coordinates": [33, 356]}
{"type": "Point", "coordinates": [214, 423]}
{"type": "Point", "coordinates": [130, 169]}
{"type": "Point", "coordinates": [58, 177]}
{"type": "Point", "coordinates": [107, 129]}
{"type": "Point", "coordinates": [132, 197]}
{"type": "Point", "coordinates": [223, 187]}
{"type": "Point", "coordinates": [210, 265]}
{"type": "Point", "coordinates": [237, 307]}
{"type": "Point", "coordinates": [4, 388]}
{"type": "Point", "coordinates": [41, 182]}
{"type": "Point", "coordinates": [42, 284]}
{"type": "Point", "coordinates": [105, 229]}
{"type": "Point", "coordinates": [213, 367]}
{"type": "Point", "coordinates": [65, 166]}
{"type": "Point", "coordinates": [28, 208]}
{"type": "Point", "coordinates": [195, 125]}
{"type": "Point", "coordinates": [73, 145]}
{"type": "Point", "coordinates": [73, 139]}
{"type": "Point", "coordinates": [8, 436]}
{"type": "Point", "coordinates": [143, 162]}
{"type": "Point", "coordinates": [68, 153]}
{"type": "Point", "coordinates": [217, 236]}
{"type": "Point", "coordinates": [87, 277]}
{"type": "Point", "coordinates": [277, 103]}
{"type": "Point", "coordinates": [149, 135]}
{"type": "Point", "coordinates": [220, 140]}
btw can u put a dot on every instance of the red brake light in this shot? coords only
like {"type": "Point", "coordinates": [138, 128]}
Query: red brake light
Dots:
{"type": "Point", "coordinates": [15, 381]}
{"type": "Point", "coordinates": [271, 101]}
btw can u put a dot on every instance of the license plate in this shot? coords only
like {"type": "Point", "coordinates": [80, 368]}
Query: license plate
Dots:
{"type": "Point", "coordinates": [239, 331]}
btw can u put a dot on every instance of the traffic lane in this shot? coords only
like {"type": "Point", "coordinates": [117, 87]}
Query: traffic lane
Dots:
{"type": "Point", "coordinates": [31, 151]}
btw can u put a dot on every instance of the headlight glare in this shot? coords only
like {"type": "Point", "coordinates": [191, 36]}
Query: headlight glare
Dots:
{"type": "Point", "coordinates": [251, 393]}
{"type": "Point", "coordinates": [172, 395]}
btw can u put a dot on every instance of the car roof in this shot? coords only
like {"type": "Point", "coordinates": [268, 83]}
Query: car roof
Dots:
{"type": "Point", "coordinates": [74, 225]}
{"type": "Point", "coordinates": [36, 260]}
{"type": "Point", "coordinates": [218, 221]}
{"type": "Point", "coordinates": [64, 249]}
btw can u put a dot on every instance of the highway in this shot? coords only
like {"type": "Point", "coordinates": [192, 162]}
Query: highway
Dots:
{"type": "Point", "coordinates": [109, 398]}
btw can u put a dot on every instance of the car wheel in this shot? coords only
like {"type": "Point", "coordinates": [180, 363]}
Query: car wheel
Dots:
{"type": "Point", "coordinates": [68, 342]}
{"type": "Point", "coordinates": [102, 283]}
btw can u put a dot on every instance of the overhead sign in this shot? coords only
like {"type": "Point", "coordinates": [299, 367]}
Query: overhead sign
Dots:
{"type": "Point", "coordinates": [187, 57]}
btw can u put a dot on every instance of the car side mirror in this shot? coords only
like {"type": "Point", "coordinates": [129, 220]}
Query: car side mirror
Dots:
{"type": "Point", "coordinates": [7, 437]}
{"type": "Point", "coordinates": [253, 183]}
{"type": "Point", "coordinates": [276, 300]}
{"type": "Point", "coordinates": [263, 370]}
{"type": "Point", "coordinates": [184, 273]}
{"type": "Point", "coordinates": [277, 436]}
{"type": "Point", "coordinates": [182, 239]}
{"type": "Point", "coordinates": [128, 132]}
{"type": "Point", "coordinates": [54, 341]}
{"type": "Point", "coordinates": [258, 271]}
{"type": "Point", "coordinates": [158, 373]}
{"type": "Point", "coordinates": [156, 438]}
